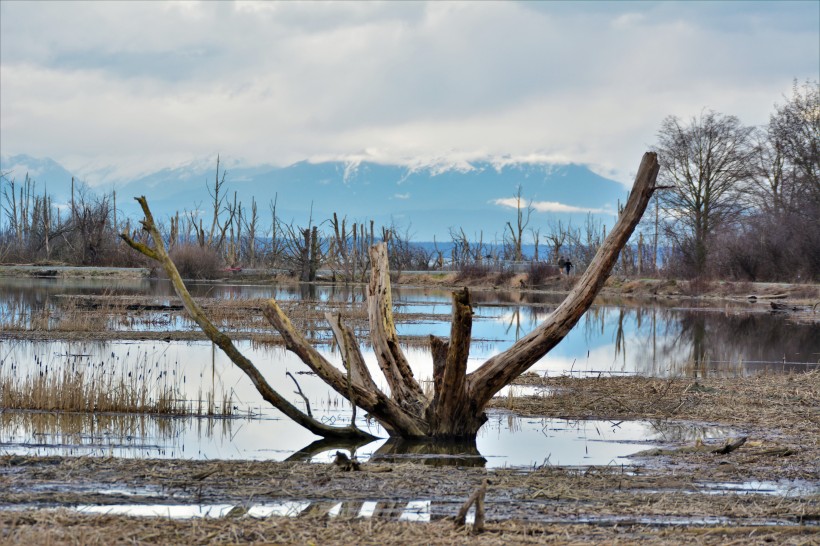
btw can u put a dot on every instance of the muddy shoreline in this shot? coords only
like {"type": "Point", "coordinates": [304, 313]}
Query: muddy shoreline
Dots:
{"type": "Point", "coordinates": [766, 490]}
{"type": "Point", "coordinates": [798, 293]}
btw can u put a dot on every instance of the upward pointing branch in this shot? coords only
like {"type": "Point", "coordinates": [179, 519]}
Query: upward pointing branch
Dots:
{"type": "Point", "coordinates": [404, 388]}
{"type": "Point", "coordinates": [501, 369]}
{"type": "Point", "coordinates": [159, 254]}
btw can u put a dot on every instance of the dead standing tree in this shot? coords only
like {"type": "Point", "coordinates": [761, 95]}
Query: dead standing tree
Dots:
{"type": "Point", "coordinates": [456, 409]}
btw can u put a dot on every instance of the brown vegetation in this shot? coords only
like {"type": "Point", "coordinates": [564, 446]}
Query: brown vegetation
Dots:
{"type": "Point", "coordinates": [61, 527]}
{"type": "Point", "coordinates": [664, 496]}
{"type": "Point", "coordinates": [88, 387]}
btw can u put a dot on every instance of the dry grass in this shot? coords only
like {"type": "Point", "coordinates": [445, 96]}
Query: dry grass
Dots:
{"type": "Point", "coordinates": [543, 506]}
{"type": "Point", "coordinates": [84, 386]}
{"type": "Point", "coordinates": [660, 499]}
{"type": "Point", "coordinates": [62, 527]}
{"type": "Point", "coordinates": [787, 401]}
{"type": "Point", "coordinates": [780, 413]}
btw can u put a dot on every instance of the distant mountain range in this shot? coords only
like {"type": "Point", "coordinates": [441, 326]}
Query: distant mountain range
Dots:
{"type": "Point", "coordinates": [427, 201]}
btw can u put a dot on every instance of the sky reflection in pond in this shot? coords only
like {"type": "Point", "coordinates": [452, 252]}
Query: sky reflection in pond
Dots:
{"type": "Point", "coordinates": [627, 339]}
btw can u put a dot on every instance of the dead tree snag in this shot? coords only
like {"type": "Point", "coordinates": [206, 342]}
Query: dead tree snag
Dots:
{"type": "Point", "coordinates": [455, 411]}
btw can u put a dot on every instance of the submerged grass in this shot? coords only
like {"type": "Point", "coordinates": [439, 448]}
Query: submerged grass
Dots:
{"type": "Point", "coordinates": [110, 316]}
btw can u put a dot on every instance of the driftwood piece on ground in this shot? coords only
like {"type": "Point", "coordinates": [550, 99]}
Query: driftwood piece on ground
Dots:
{"type": "Point", "coordinates": [455, 411]}
{"type": "Point", "coordinates": [730, 446]}
{"type": "Point", "coordinates": [477, 498]}
{"type": "Point", "coordinates": [300, 393]}
{"type": "Point", "coordinates": [345, 463]}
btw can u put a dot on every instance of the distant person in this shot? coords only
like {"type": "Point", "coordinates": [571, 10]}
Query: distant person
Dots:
{"type": "Point", "coordinates": [564, 264]}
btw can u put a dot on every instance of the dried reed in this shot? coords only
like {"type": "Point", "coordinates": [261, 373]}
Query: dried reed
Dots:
{"type": "Point", "coordinates": [79, 386]}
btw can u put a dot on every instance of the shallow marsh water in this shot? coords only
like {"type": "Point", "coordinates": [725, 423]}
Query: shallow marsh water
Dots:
{"type": "Point", "coordinates": [622, 338]}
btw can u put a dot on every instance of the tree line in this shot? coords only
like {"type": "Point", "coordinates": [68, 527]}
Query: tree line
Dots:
{"type": "Point", "coordinates": [740, 202]}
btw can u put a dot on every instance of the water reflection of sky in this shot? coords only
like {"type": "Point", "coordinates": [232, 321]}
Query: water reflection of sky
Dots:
{"type": "Point", "coordinates": [506, 440]}
{"type": "Point", "coordinates": [610, 339]}
{"type": "Point", "coordinates": [194, 368]}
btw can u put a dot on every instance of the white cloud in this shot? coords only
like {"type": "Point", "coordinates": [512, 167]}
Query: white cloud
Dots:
{"type": "Point", "coordinates": [548, 206]}
{"type": "Point", "coordinates": [401, 196]}
{"type": "Point", "coordinates": [144, 85]}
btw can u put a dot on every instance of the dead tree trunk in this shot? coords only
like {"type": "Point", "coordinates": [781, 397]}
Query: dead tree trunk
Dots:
{"type": "Point", "coordinates": [456, 408]}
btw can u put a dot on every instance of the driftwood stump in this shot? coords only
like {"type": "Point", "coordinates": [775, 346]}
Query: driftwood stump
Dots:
{"type": "Point", "coordinates": [455, 411]}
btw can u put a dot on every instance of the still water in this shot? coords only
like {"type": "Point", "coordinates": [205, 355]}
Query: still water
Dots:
{"type": "Point", "coordinates": [612, 338]}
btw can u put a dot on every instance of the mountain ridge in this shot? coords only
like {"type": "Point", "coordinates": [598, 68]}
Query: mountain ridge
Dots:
{"type": "Point", "coordinates": [429, 200]}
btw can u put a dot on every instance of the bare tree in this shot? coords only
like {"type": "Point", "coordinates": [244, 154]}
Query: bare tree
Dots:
{"type": "Point", "coordinates": [456, 408]}
{"type": "Point", "coordinates": [522, 220]}
{"type": "Point", "coordinates": [252, 229]}
{"type": "Point", "coordinates": [794, 135]}
{"type": "Point", "coordinates": [217, 194]}
{"type": "Point", "coordinates": [303, 248]}
{"type": "Point", "coordinates": [708, 161]}
{"type": "Point", "coordinates": [460, 252]}
{"type": "Point", "coordinates": [276, 248]}
{"type": "Point", "coordinates": [556, 237]}
{"type": "Point", "coordinates": [536, 239]}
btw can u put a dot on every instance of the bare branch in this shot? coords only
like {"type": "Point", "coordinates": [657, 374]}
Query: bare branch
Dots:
{"type": "Point", "coordinates": [196, 312]}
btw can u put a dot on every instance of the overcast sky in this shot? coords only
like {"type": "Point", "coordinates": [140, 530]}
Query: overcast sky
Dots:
{"type": "Point", "coordinates": [138, 86]}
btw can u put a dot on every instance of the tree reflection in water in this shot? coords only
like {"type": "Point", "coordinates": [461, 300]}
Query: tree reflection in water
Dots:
{"type": "Point", "coordinates": [437, 453]}
{"type": "Point", "coordinates": [664, 341]}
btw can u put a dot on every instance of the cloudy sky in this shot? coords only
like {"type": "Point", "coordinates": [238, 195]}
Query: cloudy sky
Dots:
{"type": "Point", "coordinates": [112, 89]}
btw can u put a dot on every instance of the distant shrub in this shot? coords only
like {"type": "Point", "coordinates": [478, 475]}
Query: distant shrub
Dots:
{"type": "Point", "coordinates": [472, 271]}
{"type": "Point", "coordinates": [196, 262]}
{"type": "Point", "coordinates": [539, 272]}
{"type": "Point", "coordinates": [503, 276]}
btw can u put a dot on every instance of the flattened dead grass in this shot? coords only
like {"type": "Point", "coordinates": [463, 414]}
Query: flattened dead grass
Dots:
{"type": "Point", "coordinates": [666, 496]}
{"type": "Point", "coordinates": [64, 527]}
{"type": "Point", "coordinates": [785, 401]}
{"type": "Point", "coordinates": [778, 413]}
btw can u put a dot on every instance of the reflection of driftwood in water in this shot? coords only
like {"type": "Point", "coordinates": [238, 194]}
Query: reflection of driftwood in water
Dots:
{"type": "Point", "coordinates": [389, 509]}
{"type": "Point", "coordinates": [318, 509]}
{"type": "Point", "coordinates": [351, 509]}
{"type": "Point", "coordinates": [431, 452]}
{"type": "Point", "coordinates": [326, 444]}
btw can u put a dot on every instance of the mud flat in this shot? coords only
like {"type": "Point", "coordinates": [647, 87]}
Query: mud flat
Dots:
{"type": "Point", "coordinates": [766, 490]}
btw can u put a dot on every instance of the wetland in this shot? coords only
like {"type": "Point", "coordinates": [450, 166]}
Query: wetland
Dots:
{"type": "Point", "coordinates": [613, 435]}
